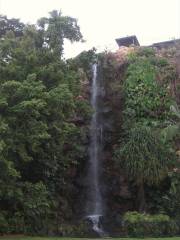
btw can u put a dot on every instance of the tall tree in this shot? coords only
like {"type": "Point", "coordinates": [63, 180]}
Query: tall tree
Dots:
{"type": "Point", "coordinates": [40, 141]}
{"type": "Point", "coordinates": [57, 28]}
{"type": "Point", "coordinates": [12, 24]}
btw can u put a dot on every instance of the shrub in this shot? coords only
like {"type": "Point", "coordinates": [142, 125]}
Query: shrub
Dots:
{"type": "Point", "coordinates": [3, 224]}
{"type": "Point", "coordinates": [71, 230]}
{"type": "Point", "coordinates": [145, 225]}
{"type": "Point", "coordinates": [16, 223]}
{"type": "Point", "coordinates": [36, 207]}
{"type": "Point", "coordinates": [146, 52]}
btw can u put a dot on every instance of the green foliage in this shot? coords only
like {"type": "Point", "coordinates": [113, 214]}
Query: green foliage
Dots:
{"type": "Point", "coordinates": [3, 224]}
{"type": "Point", "coordinates": [41, 143]}
{"type": "Point", "coordinates": [80, 229]}
{"type": "Point", "coordinates": [58, 27]}
{"type": "Point", "coordinates": [84, 62]}
{"type": "Point", "coordinates": [33, 211]}
{"type": "Point", "coordinates": [16, 223]}
{"type": "Point", "coordinates": [170, 200]}
{"type": "Point", "coordinates": [135, 217]}
{"type": "Point", "coordinates": [13, 25]}
{"type": "Point", "coordinates": [147, 101]}
{"type": "Point", "coordinates": [145, 158]}
{"type": "Point", "coordinates": [145, 225]}
{"type": "Point", "coordinates": [173, 129]}
{"type": "Point", "coordinates": [143, 150]}
{"type": "Point", "coordinates": [36, 207]}
{"type": "Point", "coordinates": [146, 52]}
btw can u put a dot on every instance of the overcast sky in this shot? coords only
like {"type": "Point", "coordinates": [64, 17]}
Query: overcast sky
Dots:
{"type": "Point", "coordinates": [101, 21]}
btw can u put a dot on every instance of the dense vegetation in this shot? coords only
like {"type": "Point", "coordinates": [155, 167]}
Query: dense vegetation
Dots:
{"type": "Point", "coordinates": [41, 144]}
{"type": "Point", "coordinates": [44, 120]}
{"type": "Point", "coordinates": [144, 139]}
{"type": "Point", "coordinates": [145, 153]}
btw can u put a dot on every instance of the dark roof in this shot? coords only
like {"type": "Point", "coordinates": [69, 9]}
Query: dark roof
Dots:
{"type": "Point", "coordinates": [127, 41]}
{"type": "Point", "coordinates": [165, 44]}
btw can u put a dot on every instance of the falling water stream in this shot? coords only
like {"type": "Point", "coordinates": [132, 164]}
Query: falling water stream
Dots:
{"type": "Point", "coordinates": [95, 206]}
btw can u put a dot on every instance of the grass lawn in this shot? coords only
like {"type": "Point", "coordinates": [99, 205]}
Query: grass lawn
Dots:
{"type": "Point", "coordinates": [61, 238]}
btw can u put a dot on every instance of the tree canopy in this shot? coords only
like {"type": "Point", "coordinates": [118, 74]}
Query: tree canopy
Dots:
{"type": "Point", "coordinates": [41, 143]}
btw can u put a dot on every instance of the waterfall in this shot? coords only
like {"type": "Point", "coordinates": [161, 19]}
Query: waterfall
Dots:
{"type": "Point", "coordinates": [95, 206]}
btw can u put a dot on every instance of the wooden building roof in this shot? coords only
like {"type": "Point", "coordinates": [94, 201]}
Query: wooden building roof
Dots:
{"type": "Point", "coordinates": [127, 41]}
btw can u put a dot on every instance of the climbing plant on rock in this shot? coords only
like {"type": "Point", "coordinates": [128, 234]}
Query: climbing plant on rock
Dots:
{"type": "Point", "coordinates": [147, 100]}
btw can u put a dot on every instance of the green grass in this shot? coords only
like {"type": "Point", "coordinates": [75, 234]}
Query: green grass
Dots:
{"type": "Point", "coordinates": [61, 238]}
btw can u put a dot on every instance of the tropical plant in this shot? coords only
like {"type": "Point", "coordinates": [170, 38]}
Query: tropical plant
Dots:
{"type": "Point", "coordinates": [56, 28]}
{"type": "Point", "coordinates": [145, 159]}
{"type": "Point", "coordinates": [173, 129]}
{"type": "Point", "coordinates": [146, 225]}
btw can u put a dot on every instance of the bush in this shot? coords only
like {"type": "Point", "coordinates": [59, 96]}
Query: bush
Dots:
{"type": "Point", "coordinates": [36, 208]}
{"type": "Point", "coordinates": [81, 230]}
{"type": "Point", "coordinates": [16, 223]}
{"type": "Point", "coordinates": [146, 52]}
{"type": "Point", "coordinates": [4, 227]}
{"type": "Point", "coordinates": [145, 225]}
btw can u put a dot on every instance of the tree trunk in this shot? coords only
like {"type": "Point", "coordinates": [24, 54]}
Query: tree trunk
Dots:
{"type": "Point", "coordinates": [141, 197]}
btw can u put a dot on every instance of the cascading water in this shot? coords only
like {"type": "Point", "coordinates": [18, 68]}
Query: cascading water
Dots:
{"type": "Point", "coordinates": [95, 206]}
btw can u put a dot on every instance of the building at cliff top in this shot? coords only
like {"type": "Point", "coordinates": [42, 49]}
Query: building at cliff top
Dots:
{"type": "Point", "coordinates": [166, 44]}
{"type": "Point", "coordinates": [133, 41]}
{"type": "Point", "coordinates": [127, 41]}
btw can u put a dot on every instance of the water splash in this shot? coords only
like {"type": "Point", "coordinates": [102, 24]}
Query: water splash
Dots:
{"type": "Point", "coordinates": [95, 219]}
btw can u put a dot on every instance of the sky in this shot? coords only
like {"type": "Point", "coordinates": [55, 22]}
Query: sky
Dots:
{"type": "Point", "coordinates": [102, 21]}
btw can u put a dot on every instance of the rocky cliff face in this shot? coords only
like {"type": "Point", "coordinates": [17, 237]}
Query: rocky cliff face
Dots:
{"type": "Point", "coordinates": [118, 195]}
{"type": "Point", "coordinates": [118, 192]}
